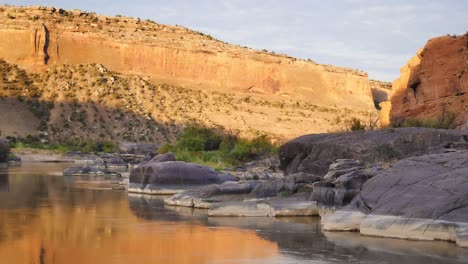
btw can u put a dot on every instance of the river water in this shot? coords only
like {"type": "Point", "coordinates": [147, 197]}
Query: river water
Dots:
{"type": "Point", "coordinates": [46, 218]}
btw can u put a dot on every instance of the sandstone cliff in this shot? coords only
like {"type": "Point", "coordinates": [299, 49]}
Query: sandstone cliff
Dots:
{"type": "Point", "coordinates": [74, 75]}
{"type": "Point", "coordinates": [36, 38]}
{"type": "Point", "coordinates": [434, 84]}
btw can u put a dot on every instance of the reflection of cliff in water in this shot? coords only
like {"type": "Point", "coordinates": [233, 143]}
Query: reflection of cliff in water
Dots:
{"type": "Point", "coordinates": [46, 220]}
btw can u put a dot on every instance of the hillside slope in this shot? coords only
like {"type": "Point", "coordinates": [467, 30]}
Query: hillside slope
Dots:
{"type": "Point", "coordinates": [87, 100]}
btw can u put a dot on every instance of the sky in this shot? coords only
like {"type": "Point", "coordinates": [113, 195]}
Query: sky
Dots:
{"type": "Point", "coordinates": [376, 36]}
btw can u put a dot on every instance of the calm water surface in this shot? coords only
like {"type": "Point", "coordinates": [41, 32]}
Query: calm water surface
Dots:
{"type": "Point", "coordinates": [46, 218]}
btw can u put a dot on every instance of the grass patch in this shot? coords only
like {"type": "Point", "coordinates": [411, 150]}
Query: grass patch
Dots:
{"type": "Point", "coordinates": [445, 121]}
{"type": "Point", "coordinates": [85, 146]}
{"type": "Point", "coordinates": [218, 149]}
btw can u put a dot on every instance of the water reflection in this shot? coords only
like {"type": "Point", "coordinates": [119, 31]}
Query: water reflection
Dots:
{"type": "Point", "coordinates": [45, 218]}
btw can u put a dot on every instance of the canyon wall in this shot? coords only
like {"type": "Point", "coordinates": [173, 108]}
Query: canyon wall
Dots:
{"type": "Point", "coordinates": [433, 85]}
{"type": "Point", "coordinates": [38, 37]}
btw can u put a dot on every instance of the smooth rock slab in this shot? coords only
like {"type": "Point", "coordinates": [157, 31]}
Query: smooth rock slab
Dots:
{"type": "Point", "coordinates": [314, 153]}
{"type": "Point", "coordinates": [297, 205]}
{"type": "Point", "coordinates": [423, 198]}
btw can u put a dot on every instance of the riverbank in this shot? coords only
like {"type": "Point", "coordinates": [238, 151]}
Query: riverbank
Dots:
{"type": "Point", "coordinates": [40, 155]}
{"type": "Point", "coordinates": [325, 174]}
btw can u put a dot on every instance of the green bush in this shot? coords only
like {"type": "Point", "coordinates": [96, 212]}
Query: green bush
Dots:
{"type": "Point", "coordinates": [217, 149]}
{"type": "Point", "coordinates": [245, 150]}
{"type": "Point", "coordinates": [196, 138]}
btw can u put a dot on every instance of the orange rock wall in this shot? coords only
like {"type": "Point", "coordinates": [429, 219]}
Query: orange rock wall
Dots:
{"type": "Point", "coordinates": [35, 44]}
{"type": "Point", "coordinates": [434, 82]}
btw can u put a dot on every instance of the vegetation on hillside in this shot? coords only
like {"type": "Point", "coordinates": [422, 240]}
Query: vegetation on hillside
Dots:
{"type": "Point", "coordinates": [445, 121]}
{"type": "Point", "coordinates": [218, 149]}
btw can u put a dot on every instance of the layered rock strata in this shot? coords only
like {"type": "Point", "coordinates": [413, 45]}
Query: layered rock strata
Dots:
{"type": "Point", "coordinates": [35, 38]}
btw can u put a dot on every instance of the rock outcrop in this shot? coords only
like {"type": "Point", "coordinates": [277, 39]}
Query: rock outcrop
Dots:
{"type": "Point", "coordinates": [314, 153]}
{"type": "Point", "coordinates": [171, 177]}
{"type": "Point", "coordinates": [433, 85]}
{"type": "Point", "coordinates": [422, 198]}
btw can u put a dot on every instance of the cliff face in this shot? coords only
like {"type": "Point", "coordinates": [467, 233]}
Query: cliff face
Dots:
{"type": "Point", "coordinates": [72, 75]}
{"type": "Point", "coordinates": [434, 83]}
{"type": "Point", "coordinates": [36, 38]}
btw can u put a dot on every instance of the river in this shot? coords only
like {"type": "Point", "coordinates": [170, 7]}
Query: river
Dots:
{"type": "Point", "coordinates": [48, 218]}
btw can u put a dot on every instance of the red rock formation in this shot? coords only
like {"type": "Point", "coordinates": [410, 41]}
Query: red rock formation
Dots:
{"type": "Point", "coordinates": [38, 37]}
{"type": "Point", "coordinates": [434, 83]}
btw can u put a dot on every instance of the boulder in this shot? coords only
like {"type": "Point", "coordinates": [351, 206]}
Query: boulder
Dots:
{"type": "Point", "coordinates": [423, 197]}
{"type": "Point", "coordinates": [343, 182]}
{"type": "Point", "coordinates": [344, 166]}
{"type": "Point", "coordinates": [314, 153]}
{"type": "Point", "coordinates": [171, 177]}
{"type": "Point", "coordinates": [4, 150]}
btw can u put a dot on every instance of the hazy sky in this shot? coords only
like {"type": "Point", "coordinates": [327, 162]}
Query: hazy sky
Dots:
{"type": "Point", "coordinates": [376, 36]}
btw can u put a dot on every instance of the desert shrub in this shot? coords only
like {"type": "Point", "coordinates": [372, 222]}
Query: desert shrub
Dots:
{"type": "Point", "coordinates": [217, 149]}
{"type": "Point", "coordinates": [355, 124]}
